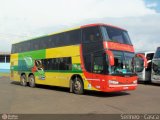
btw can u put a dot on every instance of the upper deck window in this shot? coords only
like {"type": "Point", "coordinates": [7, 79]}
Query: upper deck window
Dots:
{"type": "Point", "coordinates": [57, 40]}
{"type": "Point", "coordinates": [116, 35]}
{"type": "Point", "coordinates": [91, 34]}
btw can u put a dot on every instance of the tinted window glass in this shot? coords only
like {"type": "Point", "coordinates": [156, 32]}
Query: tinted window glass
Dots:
{"type": "Point", "coordinates": [98, 64]}
{"type": "Point", "coordinates": [88, 62]}
{"type": "Point", "coordinates": [20, 47]}
{"type": "Point", "coordinates": [139, 63]}
{"type": "Point", "coordinates": [75, 36]}
{"type": "Point", "coordinates": [42, 43]}
{"type": "Point", "coordinates": [129, 61]}
{"type": "Point", "coordinates": [13, 49]}
{"type": "Point", "coordinates": [117, 35]}
{"type": "Point", "coordinates": [23, 46]}
{"type": "Point", "coordinates": [7, 58]}
{"type": "Point", "coordinates": [2, 58]}
{"type": "Point", "coordinates": [91, 34]}
{"type": "Point", "coordinates": [157, 54]}
{"type": "Point", "coordinates": [57, 63]}
{"type": "Point", "coordinates": [156, 67]}
{"type": "Point", "coordinates": [49, 42]}
{"type": "Point", "coordinates": [27, 45]}
{"type": "Point", "coordinates": [35, 45]}
{"type": "Point", "coordinates": [123, 63]}
{"type": "Point", "coordinates": [72, 37]}
{"type": "Point", "coordinates": [150, 56]}
{"type": "Point", "coordinates": [57, 40]}
{"type": "Point", "coordinates": [118, 62]}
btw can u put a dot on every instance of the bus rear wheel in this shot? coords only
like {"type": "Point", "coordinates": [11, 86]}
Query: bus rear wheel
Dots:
{"type": "Point", "coordinates": [23, 80]}
{"type": "Point", "coordinates": [31, 80]}
{"type": "Point", "coordinates": [78, 86]}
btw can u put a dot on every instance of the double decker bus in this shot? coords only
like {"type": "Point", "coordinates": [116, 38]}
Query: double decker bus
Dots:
{"type": "Point", "coordinates": [155, 76]}
{"type": "Point", "coordinates": [96, 57]}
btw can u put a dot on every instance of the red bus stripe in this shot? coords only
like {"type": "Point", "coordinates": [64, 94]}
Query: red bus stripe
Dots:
{"type": "Point", "coordinates": [118, 46]}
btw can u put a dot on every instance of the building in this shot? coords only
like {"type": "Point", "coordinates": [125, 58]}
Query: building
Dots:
{"type": "Point", "coordinates": [4, 62]}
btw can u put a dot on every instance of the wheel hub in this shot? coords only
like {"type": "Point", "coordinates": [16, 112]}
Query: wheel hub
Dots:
{"type": "Point", "coordinates": [77, 85]}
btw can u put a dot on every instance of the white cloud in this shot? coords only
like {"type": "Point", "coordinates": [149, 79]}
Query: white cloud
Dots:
{"type": "Point", "coordinates": [22, 19]}
{"type": "Point", "coordinates": [151, 5]}
{"type": "Point", "coordinates": [46, 12]}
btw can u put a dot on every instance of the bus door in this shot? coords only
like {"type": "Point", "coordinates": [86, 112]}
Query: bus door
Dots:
{"type": "Point", "coordinates": [140, 70]}
{"type": "Point", "coordinates": [93, 56]}
{"type": "Point", "coordinates": [145, 74]}
{"type": "Point", "coordinates": [99, 69]}
{"type": "Point", "coordinates": [140, 62]}
{"type": "Point", "coordinates": [148, 70]}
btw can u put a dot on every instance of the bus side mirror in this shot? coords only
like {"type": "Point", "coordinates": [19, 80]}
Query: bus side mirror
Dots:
{"type": "Point", "coordinates": [110, 57]}
{"type": "Point", "coordinates": [144, 58]}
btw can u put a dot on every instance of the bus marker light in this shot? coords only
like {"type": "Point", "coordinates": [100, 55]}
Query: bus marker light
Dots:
{"type": "Point", "coordinates": [135, 82]}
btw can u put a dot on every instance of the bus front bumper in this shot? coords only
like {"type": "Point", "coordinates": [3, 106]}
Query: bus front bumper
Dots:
{"type": "Point", "coordinates": [155, 81]}
{"type": "Point", "coordinates": [119, 87]}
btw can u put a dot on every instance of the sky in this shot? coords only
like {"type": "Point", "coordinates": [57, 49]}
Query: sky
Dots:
{"type": "Point", "coordinates": [25, 19]}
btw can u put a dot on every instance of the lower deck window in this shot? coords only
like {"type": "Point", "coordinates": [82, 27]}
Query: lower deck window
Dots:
{"type": "Point", "coordinates": [57, 63]}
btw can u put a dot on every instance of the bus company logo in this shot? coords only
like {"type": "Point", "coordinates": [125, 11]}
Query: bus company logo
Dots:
{"type": "Point", "coordinates": [4, 116]}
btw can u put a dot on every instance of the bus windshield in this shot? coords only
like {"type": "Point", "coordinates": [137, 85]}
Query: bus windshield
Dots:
{"type": "Point", "coordinates": [123, 63]}
{"type": "Point", "coordinates": [116, 35]}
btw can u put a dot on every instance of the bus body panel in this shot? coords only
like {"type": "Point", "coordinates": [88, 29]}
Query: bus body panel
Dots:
{"type": "Point", "coordinates": [55, 78]}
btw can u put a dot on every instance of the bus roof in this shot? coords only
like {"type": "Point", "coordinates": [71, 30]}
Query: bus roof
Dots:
{"type": "Point", "coordinates": [83, 26]}
{"type": "Point", "coordinates": [101, 24]}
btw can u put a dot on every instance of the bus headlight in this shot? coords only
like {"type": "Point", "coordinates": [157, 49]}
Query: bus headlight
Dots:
{"type": "Point", "coordinates": [135, 82]}
{"type": "Point", "coordinates": [113, 82]}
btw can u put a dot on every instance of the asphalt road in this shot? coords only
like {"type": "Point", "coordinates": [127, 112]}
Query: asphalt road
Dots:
{"type": "Point", "coordinates": [52, 100]}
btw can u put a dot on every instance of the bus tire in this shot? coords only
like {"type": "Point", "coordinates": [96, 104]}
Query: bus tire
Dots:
{"type": "Point", "coordinates": [31, 80]}
{"type": "Point", "coordinates": [23, 80]}
{"type": "Point", "coordinates": [78, 87]}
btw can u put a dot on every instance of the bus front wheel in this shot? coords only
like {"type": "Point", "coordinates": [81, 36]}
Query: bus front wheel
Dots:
{"type": "Point", "coordinates": [23, 80]}
{"type": "Point", "coordinates": [78, 86]}
{"type": "Point", "coordinates": [31, 80]}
